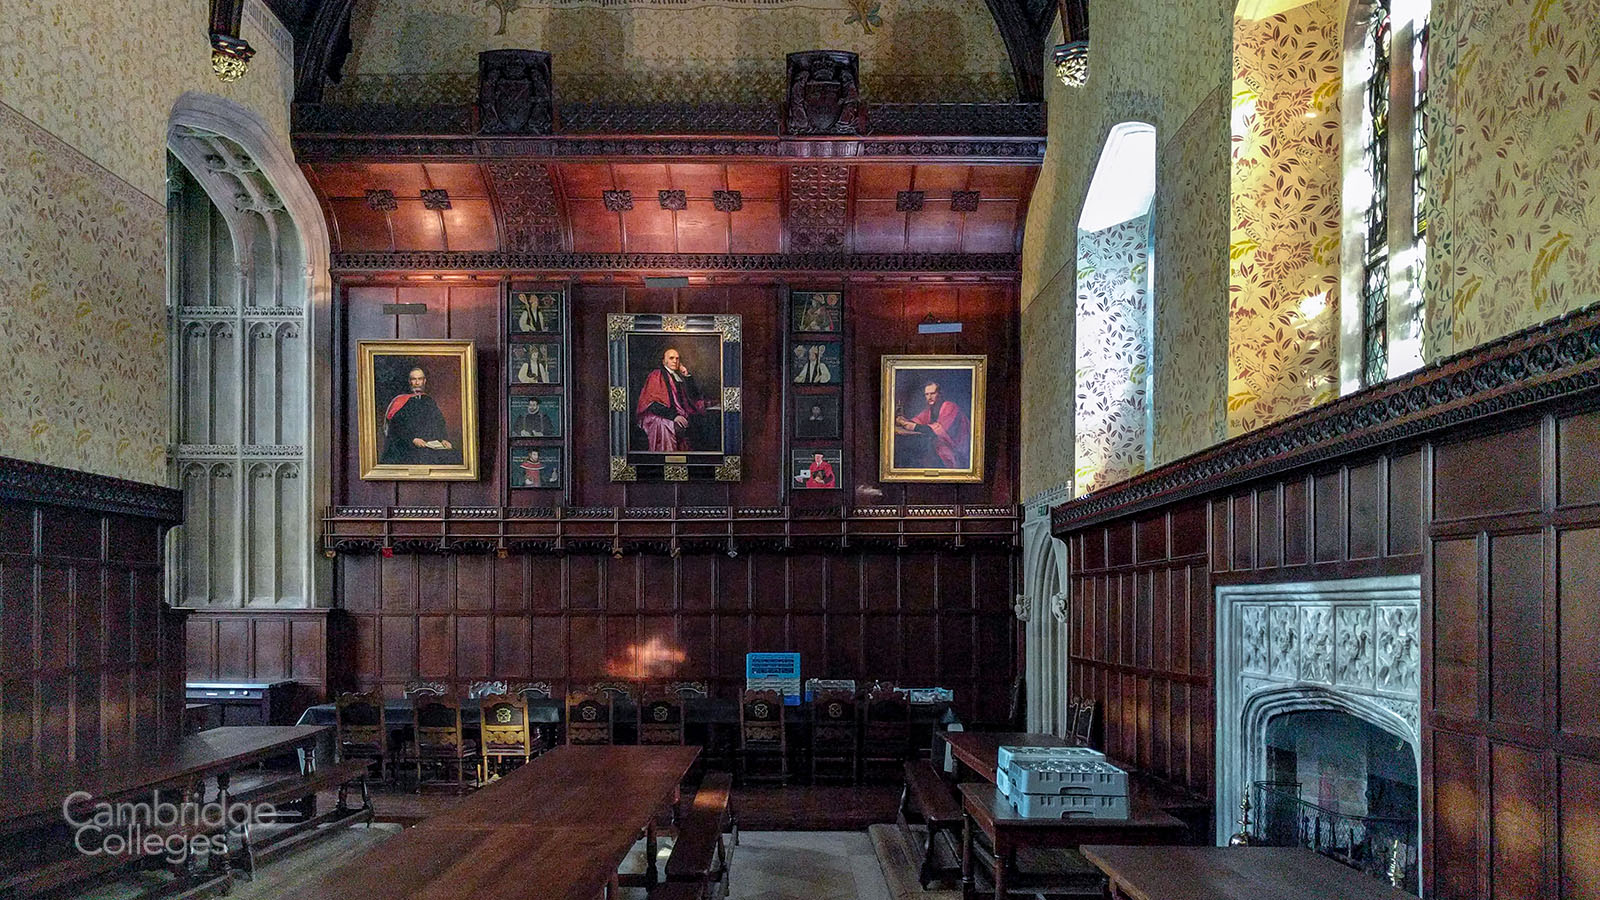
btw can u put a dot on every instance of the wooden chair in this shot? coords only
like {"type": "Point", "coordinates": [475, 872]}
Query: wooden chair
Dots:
{"type": "Point", "coordinates": [360, 729]}
{"type": "Point", "coordinates": [539, 690]}
{"type": "Point", "coordinates": [437, 738]}
{"type": "Point", "coordinates": [505, 733]}
{"type": "Point", "coordinates": [762, 735]}
{"type": "Point", "coordinates": [1083, 732]}
{"type": "Point", "coordinates": [886, 728]}
{"type": "Point", "coordinates": [661, 717]}
{"type": "Point", "coordinates": [690, 690]}
{"type": "Point", "coordinates": [588, 718]}
{"type": "Point", "coordinates": [1069, 726]}
{"type": "Point", "coordinates": [835, 733]}
{"type": "Point", "coordinates": [426, 689]}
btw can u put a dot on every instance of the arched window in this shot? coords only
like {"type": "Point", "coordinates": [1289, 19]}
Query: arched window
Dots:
{"type": "Point", "coordinates": [1114, 312]}
{"type": "Point", "coordinates": [1386, 161]}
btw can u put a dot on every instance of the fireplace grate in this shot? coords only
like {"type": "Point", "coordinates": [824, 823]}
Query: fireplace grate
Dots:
{"type": "Point", "coordinates": [1371, 844]}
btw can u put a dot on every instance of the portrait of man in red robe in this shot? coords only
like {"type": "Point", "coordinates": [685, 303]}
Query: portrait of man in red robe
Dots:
{"type": "Point", "coordinates": [670, 406]}
{"type": "Point", "coordinates": [944, 425]}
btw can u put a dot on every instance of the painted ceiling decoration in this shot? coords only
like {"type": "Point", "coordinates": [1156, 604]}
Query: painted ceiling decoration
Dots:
{"type": "Point", "coordinates": [663, 51]}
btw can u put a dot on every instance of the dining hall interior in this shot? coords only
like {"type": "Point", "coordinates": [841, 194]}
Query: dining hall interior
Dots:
{"type": "Point", "coordinates": [780, 449]}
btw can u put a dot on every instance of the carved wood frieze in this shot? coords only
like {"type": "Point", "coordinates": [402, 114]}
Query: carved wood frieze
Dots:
{"type": "Point", "coordinates": [331, 148]}
{"type": "Point", "coordinates": [497, 261]}
{"type": "Point", "coordinates": [530, 216]}
{"type": "Point", "coordinates": [31, 482]}
{"type": "Point", "coordinates": [819, 198]}
{"type": "Point", "coordinates": [1556, 362]}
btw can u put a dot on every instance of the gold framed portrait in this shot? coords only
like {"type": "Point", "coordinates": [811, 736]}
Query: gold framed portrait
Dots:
{"type": "Point", "coordinates": [931, 420]}
{"type": "Point", "coordinates": [417, 410]}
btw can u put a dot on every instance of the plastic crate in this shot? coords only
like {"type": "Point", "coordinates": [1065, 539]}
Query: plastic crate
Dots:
{"type": "Point", "coordinates": [1066, 776]}
{"type": "Point", "coordinates": [1071, 806]}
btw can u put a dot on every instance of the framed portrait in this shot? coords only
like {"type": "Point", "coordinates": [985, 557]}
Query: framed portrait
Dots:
{"type": "Point", "coordinates": [931, 419]}
{"type": "Point", "coordinates": [417, 410]}
{"type": "Point", "coordinates": [817, 363]}
{"type": "Point", "coordinates": [534, 312]}
{"type": "Point", "coordinates": [538, 417]}
{"type": "Point", "coordinates": [674, 397]}
{"type": "Point", "coordinates": [816, 312]}
{"type": "Point", "coordinates": [816, 470]}
{"type": "Point", "coordinates": [534, 363]}
{"type": "Point", "coordinates": [816, 416]}
{"type": "Point", "coordinates": [536, 467]}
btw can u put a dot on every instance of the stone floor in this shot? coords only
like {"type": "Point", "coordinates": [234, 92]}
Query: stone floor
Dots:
{"type": "Point", "coordinates": [806, 865]}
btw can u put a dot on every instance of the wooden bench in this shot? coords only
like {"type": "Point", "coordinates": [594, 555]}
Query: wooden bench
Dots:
{"type": "Point", "coordinates": [69, 875]}
{"type": "Point", "coordinates": [700, 858]}
{"type": "Point", "coordinates": [301, 791]}
{"type": "Point", "coordinates": [927, 796]}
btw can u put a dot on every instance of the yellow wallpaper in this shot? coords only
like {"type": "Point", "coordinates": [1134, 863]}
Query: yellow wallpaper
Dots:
{"type": "Point", "coordinates": [85, 95]}
{"type": "Point", "coordinates": [1283, 292]}
{"type": "Point", "coordinates": [918, 49]}
{"type": "Point", "coordinates": [103, 77]}
{"type": "Point", "coordinates": [1515, 223]}
{"type": "Point", "coordinates": [1047, 377]}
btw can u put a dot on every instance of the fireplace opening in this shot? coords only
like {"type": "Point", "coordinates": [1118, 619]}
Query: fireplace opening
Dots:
{"type": "Point", "coordinates": [1341, 786]}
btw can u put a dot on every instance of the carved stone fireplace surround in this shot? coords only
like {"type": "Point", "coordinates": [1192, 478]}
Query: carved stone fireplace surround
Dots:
{"type": "Point", "coordinates": [1350, 645]}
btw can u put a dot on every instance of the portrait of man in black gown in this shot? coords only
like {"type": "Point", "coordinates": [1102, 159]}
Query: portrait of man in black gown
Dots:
{"type": "Point", "coordinates": [418, 415]}
{"type": "Point", "coordinates": [415, 432]}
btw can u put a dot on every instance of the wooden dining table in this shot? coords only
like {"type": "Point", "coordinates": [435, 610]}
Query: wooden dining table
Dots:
{"type": "Point", "coordinates": [1232, 873]}
{"type": "Point", "coordinates": [556, 828]}
{"type": "Point", "coordinates": [980, 750]}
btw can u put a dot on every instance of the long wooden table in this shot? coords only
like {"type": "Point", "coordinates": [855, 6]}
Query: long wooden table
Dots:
{"type": "Point", "coordinates": [979, 750]}
{"type": "Point", "coordinates": [556, 828]}
{"type": "Point", "coordinates": [1233, 873]}
{"type": "Point", "coordinates": [37, 800]}
{"type": "Point", "coordinates": [988, 811]}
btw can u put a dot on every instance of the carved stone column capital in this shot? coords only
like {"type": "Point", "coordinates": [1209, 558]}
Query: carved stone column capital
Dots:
{"type": "Point", "coordinates": [1058, 606]}
{"type": "Point", "coordinates": [1022, 606]}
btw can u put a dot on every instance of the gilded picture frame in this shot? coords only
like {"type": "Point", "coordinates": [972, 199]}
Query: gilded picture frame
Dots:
{"type": "Point", "coordinates": [675, 397]}
{"type": "Point", "coordinates": [932, 418]}
{"type": "Point", "coordinates": [417, 429]}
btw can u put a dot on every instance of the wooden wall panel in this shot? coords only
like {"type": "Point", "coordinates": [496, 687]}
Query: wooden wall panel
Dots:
{"type": "Point", "coordinates": [91, 663]}
{"type": "Point", "coordinates": [263, 645]}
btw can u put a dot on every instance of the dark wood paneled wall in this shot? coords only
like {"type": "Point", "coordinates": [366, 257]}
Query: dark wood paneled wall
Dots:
{"type": "Point", "coordinates": [1511, 664]}
{"type": "Point", "coordinates": [91, 659]}
{"type": "Point", "coordinates": [913, 617]}
{"type": "Point", "coordinates": [262, 646]}
{"type": "Point", "coordinates": [1143, 608]}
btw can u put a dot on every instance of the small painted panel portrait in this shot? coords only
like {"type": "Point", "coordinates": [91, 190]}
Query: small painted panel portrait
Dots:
{"type": "Point", "coordinates": [815, 312]}
{"type": "Point", "coordinates": [535, 363]}
{"type": "Point", "coordinates": [817, 364]}
{"type": "Point", "coordinates": [536, 467]}
{"type": "Point", "coordinates": [535, 312]}
{"type": "Point", "coordinates": [816, 416]}
{"type": "Point", "coordinates": [813, 470]}
{"type": "Point", "coordinates": [536, 416]}
{"type": "Point", "coordinates": [417, 408]}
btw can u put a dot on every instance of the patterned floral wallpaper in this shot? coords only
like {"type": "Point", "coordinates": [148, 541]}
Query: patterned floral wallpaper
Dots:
{"type": "Point", "coordinates": [85, 96]}
{"type": "Point", "coordinates": [1188, 393]}
{"type": "Point", "coordinates": [1515, 223]}
{"type": "Point", "coordinates": [681, 51]}
{"type": "Point", "coordinates": [1113, 360]}
{"type": "Point", "coordinates": [83, 269]}
{"type": "Point", "coordinates": [1283, 292]}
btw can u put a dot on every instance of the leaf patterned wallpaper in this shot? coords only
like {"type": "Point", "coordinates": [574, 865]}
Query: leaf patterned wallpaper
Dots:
{"type": "Point", "coordinates": [85, 96]}
{"type": "Point", "coordinates": [1283, 291]}
{"type": "Point", "coordinates": [1515, 219]}
{"type": "Point", "coordinates": [1113, 359]}
{"type": "Point", "coordinates": [682, 51]}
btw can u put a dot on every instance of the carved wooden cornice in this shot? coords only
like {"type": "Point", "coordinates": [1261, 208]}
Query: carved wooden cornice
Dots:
{"type": "Point", "coordinates": [1558, 361]}
{"type": "Point", "coordinates": [30, 482]}
{"type": "Point", "coordinates": [666, 530]}
{"type": "Point", "coordinates": [415, 148]}
{"type": "Point", "coordinates": [501, 261]}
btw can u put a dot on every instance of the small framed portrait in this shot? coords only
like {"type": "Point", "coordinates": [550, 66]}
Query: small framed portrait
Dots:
{"type": "Point", "coordinates": [817, 363]}
{"type": "Point", "coordinates": [536, 416]}
{"type": "Point", "coordinates": [417, 412]}
{"type": "Point", "coordinates": [932, 418]}
{"type": "Point", "coordinates": [675, 397]}
{"type": "Point", "coordinates": [535, 312]}
{"type": "Point", "coordinates": [536, 467]}
{"type": "Point", "coordinates": [816, 416]}
{"type": "Point", "coordinates": [534, 363]}
{"type": "Point", "coordinates": [816, 312]}
{"type": "Point", "coordinates": [816, 470]}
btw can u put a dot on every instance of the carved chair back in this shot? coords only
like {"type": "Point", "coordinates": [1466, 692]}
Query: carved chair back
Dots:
{"type": "Point", "coordinates": [588, 718]}
{"type": "Point", "coordinates": [761, 721]}
{"type": "Point", "coordinates": [661, 716]}
{"type": "Point", "coordinates": [360, 727]}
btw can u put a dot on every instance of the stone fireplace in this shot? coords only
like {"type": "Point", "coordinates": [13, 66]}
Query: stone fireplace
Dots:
{"type": "Point", "coordinates": [1319, 700]}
